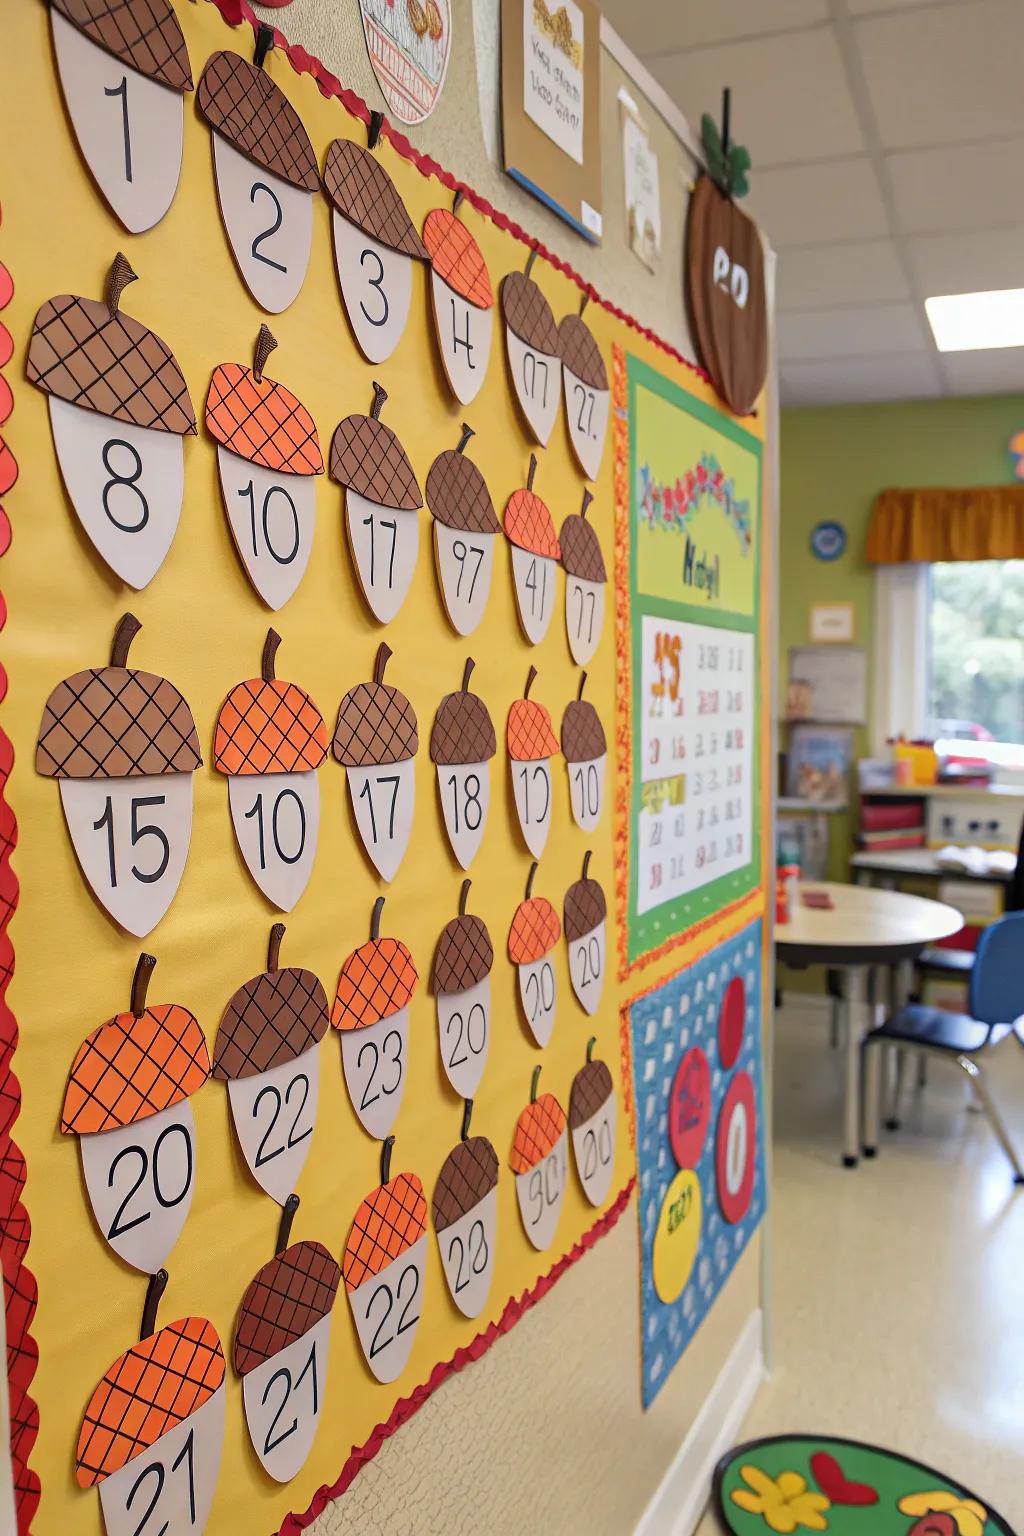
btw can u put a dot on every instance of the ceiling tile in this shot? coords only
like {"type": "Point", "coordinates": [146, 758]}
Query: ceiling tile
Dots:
{"type": "Point", "coordinates": [827, 276]}
{"type": "Point", "coordinates": [949, 76]}
{"type": "Point", "coordinates": [809, 204]}
{"type": "Point", "coordinates": [851, 332]}
{"type": "Point", "coordinates": [1000, 372]}
{"type": "Point", "coordinates": [968, 263]}
{"type": "Point", "coordinates": [790, 99]}
{"type": "Point", "coordinates": [851, 380]}
{"type": "Point", "coordinates": [656, 26]}
{"type": "Point", "coordinates": [964, 187]}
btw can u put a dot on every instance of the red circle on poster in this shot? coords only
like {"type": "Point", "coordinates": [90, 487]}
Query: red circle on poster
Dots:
{"type": "Point", "coordinates": [735, 1141]}
{"type": "Point", "coordinates": [731, 1019]}
{"type": "Point", "coordinates": [689, 1108]}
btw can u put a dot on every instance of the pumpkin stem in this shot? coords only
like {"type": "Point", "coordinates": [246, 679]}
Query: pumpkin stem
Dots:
{"type": "Point", "coordinates": [457, 199]}
{"type": "Point", "coordinates": [284, 1226]}
{"type": "Point", "coordinates": [154, 1290]}
{"type": "Point", "coordinates": [274, 947]}
{"type": "Point", "coordinates": [378, 908]}
{"type": "Point", "coordinates": [385, 1159]}
{"type": "Point", "coordinates": [467, 433]}
{"type": "Point", "coordinates": [467, 673]}
{"type": "Point", "coordinates": [140, 983]}
{"type": "Point", "coordinates": [588, 497]}
{"type": "Point", "coordinates": [270, 646]}
{"type": "Point", "coordinates": [127, 628]}
{"type": "Point", "coordinates": [384, 655]}
{"type": "Point", "coordinates": [534, 1080]}
{"type": "Point", "coordinates": [590, 1047]}
{"type": "Point", "coordinates": [726, 110]}
{"type": "Point", "coordinates": [529, 879]}
{"type": "Point", "coordinates": [264, 43]}
{"type": "Point", "coordinates": [380, 394]}
{"type": "Point", "coordinates": [266, 341]}
{"type": "Point", "coordinates": [586, 863]}
{"type": "Point", "coordinates": [118, 278]}
{"type": "Point", "coordinates": [376, 124]}
{"type": "Point", "coordinates": [467, 1115]}
{"type": "Point", "coordinates": [533, 471]}
{"type": "Point", "coordinates": [530, 677]}
{"type": "Point", "coordinates": [530, 260]}
{"type": "Point", "coordinates": [583, 683]}
{"type": "Point", "coordinates": [464, 897]}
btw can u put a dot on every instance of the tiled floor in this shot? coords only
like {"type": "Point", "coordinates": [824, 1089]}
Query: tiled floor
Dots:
{"type": "Point", "coordinates": [898, 1288]}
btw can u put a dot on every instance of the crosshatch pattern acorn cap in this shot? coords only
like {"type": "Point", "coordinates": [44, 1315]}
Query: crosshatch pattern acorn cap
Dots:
{"type": "Point", "coordinates": [457, 495]}
{"type": "Point", "coordinates": [377, 980]}
{"type": "Point", "coordinates": [581, 353]}
{"type": "Point", "coordinates": [529, 524]}
{"type": "Point", "coordinates": [581, 550]}
{"type": "Point", "coordinates": [149, 1390]}
{"type": "Point", "coordinates": [591, 1087]}
{"type": "Point", "coordinates": [528, 314]}
{"type": "Point", "coordinates": [144, 34]}
{"type": "Point", "coordinates": [273, 1018]}
{"type": "Point", "coordinates": [116, 723]}
{"type": "Point", "coordinates": [457, 258]}
{"type": "Point", "coordinates": [243, 104]}
{"type": "Point", "coordinates": [366, 457]}
{"type": "Point", "coordinates": [468, 1174]}
{"type": "Point", "coordinates": [269, 727]}
{"type": "Point", "coordinates": [583, 737]}
{"type": "Point", "coordinates": [585, 907]}
{"type": "Point", "coordinates": [376, 726]}
{"type": "Point", "coordinates": [110, 364]}
{"type": "Point", "coordinates": [130, 1068]}
{"type": "Point", "coordinates": [537, 1131]}
{"type": "Point", "coordinates": [463, 731]}
{"type": "Point", "coordinates": [284, 1300]}
{"type": "Point", "coordinates": [530, 735]}
{"type": "Point", "coordinates": [534, 932]}
{"type": "Point", "coordinates": [262, 421]}
{"type": "Point", "coordinates": [362, 191]}
{"type": "Point", "coordinates": [387, 1223]}
{"type": "Point", "coordinates": [464, 955]}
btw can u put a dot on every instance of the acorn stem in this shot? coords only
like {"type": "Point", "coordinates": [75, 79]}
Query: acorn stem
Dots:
{"type": "Point", "coordinates": [380, 394]}
{"type": "Point", "coordinates": [530, 261]}
{"type": "Point", "coordinates": [270, 646]}
{"type": "Point", "coordinates": [587, 499]}
{"type": "Point", "coordinates": [266, 341]}
{"type": "Point", "coordinates": [457, 199]}
{"type": "Point", "coordinates": [533, 471]}
{"type": "Point", "coordinates": [534, 1080]}
{"type": "Point", "coordinates": [464, 897]}
{"type": "Point", "coordinates": [264, 43]}
{"type": "Point", "coordinates": [529, 879]}
{"type": "Point", "coordinates": [376, 124]}
{"type": "Point", "coordinates": [584, 302]}
{"type": "Point", "coordinates": [128, 627]}
{"type": "Point", "coordinates": [385, 1159]}
{"type": "Point", "coordinates": [118, 278]}
{"type": "Point", "coordinates": [586, 863]}
{"type": "Point", "coordinates": [583, 684]}
{"type": "Point", "coordinates": [154, 1290]}
{"type": "Point", "coordinates": [274, 947]}
{"type": "Point", "coordinates": [378, 908]}
{"type": "Point", "coordinates": [467, 673]}
{"type": "Point", "coordinates": [384, 655]}
{"type": "Point", "coordinates": [140, 983]}
{"type": "Point", "coordinates": [530, 678]}
{"type": "Point", "coordinates": [467, 433]}
{"type": "Point", "coordinates": [590, 1047]}
{"type": "Point", "coordinates": [467, 1115]}
{"type": "Point", "coordinates": [284, 1226]}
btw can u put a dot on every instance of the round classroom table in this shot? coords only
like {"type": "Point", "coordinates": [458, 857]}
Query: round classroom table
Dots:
{"type": "Point", "coordinates": [863, 928]}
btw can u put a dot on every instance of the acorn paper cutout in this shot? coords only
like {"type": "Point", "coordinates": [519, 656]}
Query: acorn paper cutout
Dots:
{"type": "Point", "coordinates": [532, 744]}
{"type": "Point", "coordinates": [124, 70]}
{"type": "Point", "coordinates": [371, 1013]}
{"type": "Point", "coordinates": [376, 741]}
{"type": "Point", "coordinates": [585, 381]}
{"type": "Point", "coordinates": [530, 530]}
{"type": "Point", "coordinates": [465, 1212]}
{"type": "Point", "coordinates": [592, 1116]}
{"type": "Point", "coordinates": [463, 300]}
{"type": "Point", "coordinates": [462, 743]}
{"type": "Point", "coordinates": [375, 246]}
{"type": "Point", "coordinates": [270, 741]}
{"type": "Point", "coordinates": [585, 582]}
{"type": "Point", "coordinates": [153, 1432]}
{"type": "Point", "coordinates": [532, 938]}
{"type": "Point", "coordinates": [382, 503]}
{"type": "Point", "coordinates": [267, 1051]}
{"type": "Point", "coordinates": [127, 1101]}
{"type": "Point", "coordinates": [461, 984]}
{"type": "Point", "coordinates": [119, 409]}
{"type": "Point", "coordinates": [531, 345]}
{"type": "Point", "coordinates": [539, 1163]}
{"type": "Point", "coordinates": [122, 744]}
{"type": "Point", "coordinates": [465, 525]}
{"type": "Point", "coordinates": [280, 1351]}
{"type": "Point", "coordinates": [384, 1266]}
{"type": "Point", "coordinates": [268, 456]}
{"type": "Point", "coordinates": [266, 173]}
{"type": "Point", "coordinates": [586, 755]}
{"type": "Point", "coordinates": [584, 918]}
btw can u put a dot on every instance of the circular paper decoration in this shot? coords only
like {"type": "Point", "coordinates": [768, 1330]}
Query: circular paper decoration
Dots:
{"type": "Point", "coordinates": [689, 1108]}
{"type": "Point", "coordinates": [409, 43]}
{"type": "Point", "coordinates": [731, 1021]}
{"type": "Point", "coordinates": [828, 541]}
{"type": "Point", "coordinates": [725, 295]}
{"type": "Point", "coordinates": [735, 1143]}
{"type": "Point", "coordinates": [677, 1236]}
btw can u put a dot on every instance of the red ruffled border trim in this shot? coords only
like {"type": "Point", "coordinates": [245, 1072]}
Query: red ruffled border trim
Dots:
{"type": "Point", "coordinates": [407, 1406]}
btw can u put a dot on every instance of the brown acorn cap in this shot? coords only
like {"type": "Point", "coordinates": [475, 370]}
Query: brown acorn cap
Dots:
{"type": "Point", "coordinates": [457, 493]}
{"type": "Point", "coordinates": [581, 549]}
{"type": "Point", "coordinates": [283, 1301]}
{"type": "Point", "coordinates": [463, 731]}
{"type": "Point", "coordinates": [468, 1174]}
{"type": "Point", "coordinates": [580, 353]}
{"type": "Point", "coordinates": [242, 103]}
{"type": "Point", "coordinates": [528, 314]}
{"type": "Point", "coordinates": [366, 457]}
{"type": "Point", "coordinates": [273, 1018]}
{"type": "Point", "coordinates": [584, 907]}
{"type": "Point", "coordinates": [144, 34]}
{"type": "Point", "coordinates": [464, 955]}
{"type": "Point", "coordinates": [591, 1086]}
{"type": "Point", "coordinates": [376, 723]}
{"type": "Point", "coordinates": [583, 736]}
{"type": "Point", "coordinates": [363, 192]}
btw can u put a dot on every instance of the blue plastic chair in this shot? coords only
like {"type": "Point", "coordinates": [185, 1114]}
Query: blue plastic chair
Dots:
{"type": "Point", "coordinates": [996, 1001]}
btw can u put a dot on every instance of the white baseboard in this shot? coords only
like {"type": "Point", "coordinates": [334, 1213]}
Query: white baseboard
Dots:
{"type": "Point", "coordinates": [683, 1493]}
{"type": "Point", "coordinates": [815, 1003]}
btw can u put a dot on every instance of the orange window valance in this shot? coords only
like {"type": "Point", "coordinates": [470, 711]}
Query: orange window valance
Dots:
{"type": "Point", "coordinates": [984, 523]}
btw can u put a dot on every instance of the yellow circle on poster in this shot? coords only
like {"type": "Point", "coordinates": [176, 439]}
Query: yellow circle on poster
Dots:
{"type": "Point", "coordinates": [678, 1235]}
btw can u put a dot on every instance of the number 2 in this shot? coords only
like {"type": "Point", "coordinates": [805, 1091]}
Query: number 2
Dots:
{"type": "Point", "coordinates": [586, 403]}
{"type": "Point", "coordinates": [271, 1443]}
{"type": "Point", "coordinates": [272, 229]}
{"type": "Point", "coordinates": [404, 1321]}
{"type": "Point", "coordinates": [262, 1155]}
{"type": "Point", "coordinates": [156, 1469]}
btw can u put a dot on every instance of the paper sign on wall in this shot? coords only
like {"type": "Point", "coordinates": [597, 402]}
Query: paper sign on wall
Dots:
{"type": "Point", "coordinates": [553, 86]}
{"type": "Point", "coordinates": [643, 197]}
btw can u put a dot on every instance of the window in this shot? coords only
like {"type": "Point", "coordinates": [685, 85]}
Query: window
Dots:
{"type": "Point", "coordinates": [976, 651]}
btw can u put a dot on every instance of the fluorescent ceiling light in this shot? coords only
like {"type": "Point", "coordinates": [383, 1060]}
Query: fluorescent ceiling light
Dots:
{"type": "Point", "coordinates": [973, 322]}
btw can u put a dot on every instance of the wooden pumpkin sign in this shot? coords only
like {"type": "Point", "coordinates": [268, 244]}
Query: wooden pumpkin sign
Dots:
{"type": "Point", "coordinates": [586, 754]}
{"type": "Point", "coordinates": [462, 743]}
{"type": "Point", "coordinates": [532, 938]}
{"type": "Point", "coordinates": [592, 1114]}
{"type": "Point", "coordinates": [539, 1162]}
{"type": "Point", "coordinates": [463, 300]}
{"type": "Point", "coordinates": [465, 1210]}
{"type": "Point", "coordinates": [376, 740]}
{"type": "Point", "coordinates": [531, 345]}
{"type": "Point", "coordinates": [465, 526]}
{"type": "Point", "coordinates": [532, 744]}
{"type": "Point", "coordinates": [461, 983]}
{"type": "Point", "coordinates": [371, 1013]}
{"type": "Point", "coordinates": [384, 1266]}
{"type": "Point", "coordinates": [124, 69]}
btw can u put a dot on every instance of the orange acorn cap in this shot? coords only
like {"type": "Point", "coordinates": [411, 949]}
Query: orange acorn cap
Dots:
{"type": "Point", "coordinates": [530, 734]}
{"type": "Point", "coordinates": [377, 980]}
{"type": "Point", "coordinates": [535, 931]}
{"type": "Point", "coordinates": [387, 1223]}
{"type": "Point", "coordinates": [457, 258]}
{"type": "Point", "coordinates": [261, 420]}
{"type": "Point", "coordinates": [529, 524]}
{"type": "Point", "coordinates": [537, 1131]}
{"type": "Point", "coordinates": [133, 1067]}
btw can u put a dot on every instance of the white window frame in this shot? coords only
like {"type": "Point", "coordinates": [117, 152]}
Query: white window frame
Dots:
{"type": "Point", "coordinates": [900, 693]}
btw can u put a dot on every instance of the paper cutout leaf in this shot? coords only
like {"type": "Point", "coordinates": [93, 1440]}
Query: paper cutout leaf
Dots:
{"type": "Point", "coordinates": [273, 1019]}
{"type": "Point", "coordinates": [242, 103]}
{"type": "Point", "coordinates": [362, 191]}
{"type": "Point", "coordinates": [131, 1068]}
{"type": "Point", "coordinates": [285, 1299]}
{"type": "Point", "coordinates": [144, 34]}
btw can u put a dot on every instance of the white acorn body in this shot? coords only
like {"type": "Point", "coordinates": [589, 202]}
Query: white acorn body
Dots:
{"type": "Point", "coordinates": [586, 411]}
{"type": "Point", "coordinates": [387, 1309]}
{"type": "Point", "coordinates": [467, 1255]}
{"type": "Point", "coordinates": [125, 484]}
{"type": "Point", "coordinates": [465, 564]}
{"type": "Point", "coordinates": [464, 336]}
{"type": "Point", "coordinates": [587, 967]}
{"type": "Point", "coordinates": [531, 787]}
{"type": "Point", "coordinates": [274, 1113]}
{"type": "Point", "coordinates": [465, 790]}
{"type": "Point", "coordinates": [375, 1062]}
{"type": "Point", "coordinates": [535, 578]}
{"type": "Point", "coordinates": [586, 791]}
{"type": "Point", "coordinates": [140, 1180]}
{"type": "Point", "coordinates": [540, 1192]}
{"type": "Point", "coordinates": [538, 993]}
{"type": "Point", "coordinates": [272, 517]}
{"type": "Point", "coordinates": [464, 1035]}
{"type": "Point", "coordinates": [283, 1399]}
{"type": "Point", "coordinates": [593, 1145]}
{"type": "Point", "coordinates": [269, 224]}
{"type": "Point", "coordinates": [385, 543]}
{"type": "Point", "coordinates": [188, 1459]}
{"type": "Point", "coordinates": [537, 377]}
{"type": "Point", "coordinates": [130, 128]}
{"type": "Point", "coordinates": [584, 616]}
{"type": "Point", "coordinates": [134, 877]}
{"type": "Point", "coordinates": [376, 288]}
{"type": "Point", "coordinates": [276, 817]}
{"type": "Point", "coordinates": [383, 802]}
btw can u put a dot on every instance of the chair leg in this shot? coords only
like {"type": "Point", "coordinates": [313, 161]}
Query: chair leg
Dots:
{"type": "Point", "coordinates": [834, 1025]}
{"type": "Point", "coordinates": [893, 1119]}
{"type": "Point", "coordinates": [922, 1069]}
{"type": "Point", "coordinates": [872, 1098]}
{"type": "Point", "coordinates": [995, 1119]}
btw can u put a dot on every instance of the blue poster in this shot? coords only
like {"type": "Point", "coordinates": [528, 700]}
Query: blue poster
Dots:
{"type": "Point", "coordinates": [696, 1045]}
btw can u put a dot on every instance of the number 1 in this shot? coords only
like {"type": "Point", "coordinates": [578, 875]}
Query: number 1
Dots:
{"type": "Point", "coordinates": [122, 91]}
